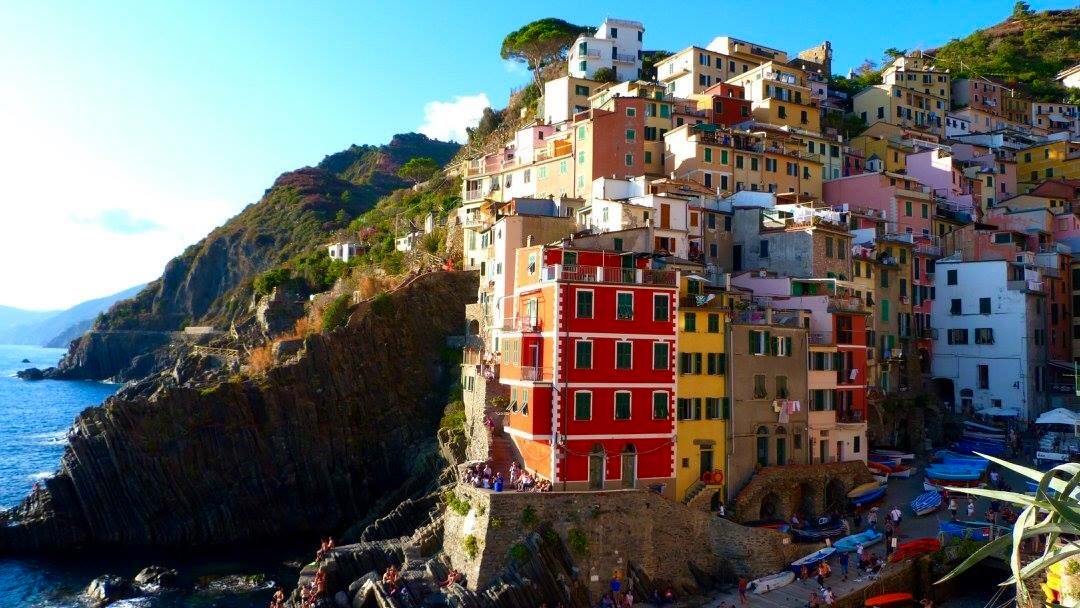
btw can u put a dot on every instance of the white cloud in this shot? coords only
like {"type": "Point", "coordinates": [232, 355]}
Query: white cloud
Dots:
{"type": "Point", "coordinates": [447, 120]}
{"type": "Point", "coordinates": [76, 225]}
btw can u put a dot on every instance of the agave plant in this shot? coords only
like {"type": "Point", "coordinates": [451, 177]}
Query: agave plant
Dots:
{"type": "Point", "coordinates": [1054, 511]}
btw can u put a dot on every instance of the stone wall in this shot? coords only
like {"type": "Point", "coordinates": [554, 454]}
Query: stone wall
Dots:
{"type": "Point", "coordinates": [803, 488]}
{"type": "Point", "coordinates": [665, 540]}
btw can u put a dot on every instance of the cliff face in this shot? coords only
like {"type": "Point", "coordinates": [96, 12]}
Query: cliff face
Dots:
{"type": "Point", "coordinates": [303, 450]}
{"type": "Point", "coordinates": [210, 282]}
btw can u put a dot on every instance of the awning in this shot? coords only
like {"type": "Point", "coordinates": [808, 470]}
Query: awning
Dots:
{"type": "Point", "coordinates": [1000, 412]}
{"type": "Point", "coordinates": [1059, 416]}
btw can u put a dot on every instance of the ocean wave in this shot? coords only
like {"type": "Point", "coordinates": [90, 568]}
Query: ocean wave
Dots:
{"type": "Point", "coordinates": [40, 475]}
{"type": "Point", "coordinates": [50, 438]}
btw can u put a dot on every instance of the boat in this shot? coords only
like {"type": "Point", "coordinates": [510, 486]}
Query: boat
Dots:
{"type": "Point", "coordinates": [869, 497]}
{"type": "Point", "coordinates": [888, 599]}
{"type": "Point", "coordinates": [903, 471]}
{"type": "Point", "coordinates": [939, 485]}
{"type": "Point", "coordinates": [894, 453]}
{"type": "Point", "coordinates": [766, 584]}
{"type": "Point", "coordinates": [984, 427]}
{"type": "Point", "coordinates": [984, 447]}
{"type": "Point", "coordinates": [996, 438]}
{"type": "Point", "coordinates": [879, 467]}
{"type": "Point", "coordinates": [865, 488]}
{"type": "Point", "coordinates": [811, 561]}
{"type": "Point", "coordinates": [958, 458]}
{"type": "Point", "coordinates": [774, 524]}
{"type": "Point", "coordinates": [818, 533]}
{"type": "Point", "coordinates": [914, 548]}
{"type": "Point", "coordinates": [882, 479]}
{"type": "Point", "coordinates": [850, 543]}
{"type": "Point", "coordinates": [887, 460]}
{"type": "Point", "coordinates": [927, 502]}
{"type": "Point", "coordinates": [974, 530]}
{"type": "Point", "coordinates": [953, 473]}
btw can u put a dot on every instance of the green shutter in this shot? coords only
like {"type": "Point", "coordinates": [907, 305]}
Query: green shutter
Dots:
{"type": "Point", "coordinates": [769, 348]}
{"type": "Point", "coordinates": [753, 342]}
{"type": "Point", "coordinates": [722, 363]}
{"type": "Point", "coordinates": [787, 345]}
{"type": "Point", "coordinates": [726, 408]}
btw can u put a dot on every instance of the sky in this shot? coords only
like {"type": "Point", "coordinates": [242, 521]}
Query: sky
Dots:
{"type": "Point", "coordinates": [129, 130]}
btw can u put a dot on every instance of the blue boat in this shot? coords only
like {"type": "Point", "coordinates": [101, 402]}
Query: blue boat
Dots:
{"type": "Point", "coordinates": [951, 456]}
{"type": "Point", "coordinates": [968, 445]}
{"type": "Point", "coordinates": [869, 497]}
{"type": "Point", "coordinates": [927, 502]}
{"type": "Point", "coordinates": [811, 561]}
{"type": "Point", "coordinates": [961, 473]}
{"type": "Point", "coordinates": [850, 543]}
{"type": "Point", "coordinates": [974, 530]}
{"type": "Point", "coordinates": [1033, 486]}
{"type": "Point", "coordinates": [818, 533]}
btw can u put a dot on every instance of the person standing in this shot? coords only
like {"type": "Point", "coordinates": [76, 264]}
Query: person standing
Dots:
{"type": "Point", "coordinates": [953, 507]}
{"type": "Point", "coordinates": [888, 536]}
{"type": "Point", "coordinates": [971, 508]}
{"type": "Point", "coordinates": [844, 557]}
{"type": "Point", "coordinates": [742, 590]}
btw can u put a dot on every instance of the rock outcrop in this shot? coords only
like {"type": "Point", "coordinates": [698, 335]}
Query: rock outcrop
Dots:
{"type": "Point", "coordinates": [303, 450]}
{"type": "Point", "coordinates": [98, 355]}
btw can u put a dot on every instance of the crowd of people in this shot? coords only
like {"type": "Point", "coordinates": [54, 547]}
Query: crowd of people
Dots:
{"type": "Point", "coordinates": [481, 475]}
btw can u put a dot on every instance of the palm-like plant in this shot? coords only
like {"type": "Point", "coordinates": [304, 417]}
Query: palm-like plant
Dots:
{"type": "Point", "coordinates": [1054, 511]}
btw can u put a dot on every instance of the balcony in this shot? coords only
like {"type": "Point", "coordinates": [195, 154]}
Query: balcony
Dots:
{"type": "Point", "coordinates": [1026, 286]}
{"type": "Point", "coordinates": [602, 274]}
{"type": "Point", "coordinates": [536, 374]}
{"type": "Point", "coordinates": [850, 417]}
{"type": "Point", "coordinates": [847, 304]}
{"type": "Point", "coordinates": [820, 337]}
{"type": "Point", "coordinates": [701, 302]}
{"type": "Point", "coordinates": [474, 195]}
{"type": "Point", "coordinates": [524, 324]}
{"type": "Point", "coordinates": [622, 58]}
{"type": "Point", "coordinates": [589, 54]}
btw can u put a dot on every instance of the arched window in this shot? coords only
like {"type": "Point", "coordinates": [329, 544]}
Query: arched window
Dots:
{"type": "Point", "coordinates": [762, 430]}
{"type": "Point", "coordinates": [780, 430]}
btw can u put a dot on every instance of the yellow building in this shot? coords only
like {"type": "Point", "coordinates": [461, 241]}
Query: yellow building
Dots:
{"type": "Point", "coordinates": [702, 403]}
{"type": "Point", "coordinates": [779, 95]}
{"type": "Point", "coordinates": [916, 73]}
{"type": "Point", "coordinates": [694, 69]}
{"type": "Point", "coordinates": [883, 148]}
{"type": "Point", "coordinates": [1052, 160]}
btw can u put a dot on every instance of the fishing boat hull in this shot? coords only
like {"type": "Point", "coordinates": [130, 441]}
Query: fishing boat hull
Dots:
{"type": "Point", "coordinates": [915, 548]}
{"type": "Point", "coordinates": [811, 561]}
{"type": "Point", "coordinates": [816, 534]}
{"type": "Point", "coordinates": [940, 485]}
{"type": "Point", "coordinates": [903, 456]}
{"type": "Point", "coordinates": [766, 584]}
{"type": "Point", "coordinates": [850, 543]}
{"type": "Point", "coordinates": [953, 473]}
{"type": "Point", "coordinates": [869, 497]}
{"type": "Point", "coordinates": [878, 467]}
{"type": "Point", "coordinates": [864, 489]}
{"type": "Point", "coordinates": [889, 599]}
{"type": "Point", "coordinates": [927, 502]}
{"type": "Point", "coordinates": [773, 524]}
{"type": "Point", "coordinates": [974, 530]}
{"type": "Point", "coordinates": [903, 471]}
{"type": "Point", "coordinates": [991, 437]}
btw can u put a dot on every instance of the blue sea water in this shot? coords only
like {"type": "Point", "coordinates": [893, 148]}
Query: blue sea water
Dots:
{"type": "Point", "coordinates": [34, 418]}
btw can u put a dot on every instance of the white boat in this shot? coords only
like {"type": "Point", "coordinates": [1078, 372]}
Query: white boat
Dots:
{"type": "Point", "coordinates": [766, 584]}
{"type": "Point", "coordinates": [882, 479]}
{"type": "Point", "coordinates": [904, 473]}
{"type": "Point", "coordinates": [984, 427]}
{"type": "Point", "coordinates": [985, 436]}
{"type": "Point", "coordinates": [952, 484]}
{"type": "Point", "coordinates": [894, 454]}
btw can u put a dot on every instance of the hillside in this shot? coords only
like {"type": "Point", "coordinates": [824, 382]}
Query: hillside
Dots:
{"type": "Point", "coordinates": [56, 329]}
{"type": "Point", "coordinates": [11, 317]}
{"type": "Point", "coordinates": [1026, 50]}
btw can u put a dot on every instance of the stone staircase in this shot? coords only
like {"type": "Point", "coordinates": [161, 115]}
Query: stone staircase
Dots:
{"type": "Point", "coordinates": [503, 454]}
{"type": "Point", "coordinates": [693, 491]}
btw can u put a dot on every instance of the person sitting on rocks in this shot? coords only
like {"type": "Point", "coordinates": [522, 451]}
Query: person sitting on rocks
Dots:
{"type": "Point", "coordinates": [279, 599]}
{"type": "Point", "coordinates": [452, 578]}
{"type": "Point", "coordinates": [390, 579]}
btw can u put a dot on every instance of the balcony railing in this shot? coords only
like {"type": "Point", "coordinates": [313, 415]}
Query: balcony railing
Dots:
{"type": "Point", "coordinates": [820, 337]}
{"type": "Point", "coordinates": [603, 274]}
{"type": "Point", "coordinates": [474, 195]}
{"type": "Point", "coordinates": [849, 304]}
{"type": "Point", "coordinates": [590, 54]}
{"type": "Point", "coordinates": [536, 374]}
{"type": "Point", "coordinates": [850, 417]}
{"type": "Point", "coordinates": [525, 324]}
{"type": "Point", "coordinates": [1029, 286]}
{"type": "Point", "coordinates": [622, 58]}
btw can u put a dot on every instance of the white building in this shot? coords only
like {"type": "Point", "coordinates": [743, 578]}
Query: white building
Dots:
{"type": "Point", "coordinates": [1055, 117]}
{"type": "Point", "coordinates": [990, 329]}
{"type": "Point", "coordinates": [956, 125]}
{"type": "Point", "coordinates": [622, 204]}
{"type": "Point", "coordinates": [343, 250]}
{"type": "Point", "coordinates": [616, 44]}
{"type": "Point", "coordinates": [1070, 77]}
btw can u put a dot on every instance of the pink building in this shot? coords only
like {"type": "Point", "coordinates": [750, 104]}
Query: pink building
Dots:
{"type": "Point", "coordinates": [935, 168]}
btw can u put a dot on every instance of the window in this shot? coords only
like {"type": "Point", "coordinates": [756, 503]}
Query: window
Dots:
{"type": "Point", "coordinates": [584, 304]}
{"type": "Point", "coordinates": [689, 321]}
{"type": "Point", "coordinates": [764, 249]}
{"type": "Point", "coordinates": [714, 323]}
{"type": "Point", "coordinates": [660, 406]}
{"type": "Point", "coordinates": [624, 306]}
{"type": "Point", "coordinates": [683, 409]}
{"type": "Point", "coordinates": [759, 341]}
{"type": "Point", "coordinates": [782, 387]}
{"type": "Point", "coordinates": [648, 157]}
{"type": "Point", "coordinates": [661, 355]}
{"type": "Point", "coordinates": [984, 306]}
{"type": "Point", "coordinates": [984, 376]}
{"type": "Point", "coordinates": [629, 159]}
{"type": "Point", "coordinates": [782, 346]}
{"type": "Point", "coordinates": [759, 387]}
{"type": "Point", "coordinates": [712, 408]}
{"type": "Point", "coordinates": [828, 247]}
{"type": "Point", "coordinates": [708, 155]}
{"type": "Point", "coordinates": [631, 134]}
{"type": "Point", "coordinates": [984, 335]}
{"type": "Point", "coordinates": [958, 336]}
{"type": "Point", "coordinates": [622, 405]}
{"type": "Point", "coordinates": [950, 277]}
{"type": "Point", "coordinates": [583, 354]}
{"type": "Point", "coordinates": [582, 405]}
{"type": "Point", "coordinates": [624, 355]}
{"type": "Point", "coordinates": [716, 364]}
{"type": "Point", "coordinates": [661, 307]}
{"type": "Point", "coordinates": [956, 306]}
{"type": "Point", "coordinates": [907, 208]}
{"type": "Point", "coordinates": [581, 90]}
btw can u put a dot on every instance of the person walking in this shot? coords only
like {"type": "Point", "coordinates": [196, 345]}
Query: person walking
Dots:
{"type": "Point", "coordinates": [953, 507]}
{"type": "Point", "coordinates": [871, 519]}
{"type": "Point", "coordinates": [844, 557]}
{"type": "Point", "coordinates": [888, 537]}
{"type": "Point", "coordinates": [742, 590]}
{"type": "Point", "coordinates": [971, 508]}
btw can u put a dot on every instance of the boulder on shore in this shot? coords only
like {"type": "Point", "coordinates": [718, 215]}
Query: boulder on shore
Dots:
{"type": "Point", "coordinates": [153, 578]}
{"type": "Point", "coordinates": [107, 589]}
{"type": "Point", "coordinates": [32, 373]}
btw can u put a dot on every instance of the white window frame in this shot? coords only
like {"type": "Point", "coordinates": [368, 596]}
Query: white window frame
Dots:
{"type": "Point", "coordinates": [667, 396]}
{"type": "Point", "coordinates": [574, 416]}
{"type": "Point", "coordinates": [620, 293]}
{"type": "Point", "coordinates": [592, 352]}
{"type": "Point", "coordinates": [615, 405]}
{"type": "Point", "coordinates": [616, 362]}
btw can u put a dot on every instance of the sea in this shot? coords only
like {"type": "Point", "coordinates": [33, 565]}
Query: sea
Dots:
{"type": "Point", "coordinates": [34, 419]}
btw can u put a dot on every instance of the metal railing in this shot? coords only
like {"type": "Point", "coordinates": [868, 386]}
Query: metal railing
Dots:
{"type": "Point", "coordinates": [522, 324]}
{"type": "Point", "coordinates": [535, 374]}
{"type": "Point", "coordinates": [820, 337]}
{"type": "Point", "coordinates": [603, 274]}
{"type": "Point", "coordinates": [848, 304]}
{"type": "Point", "coordinates": [1023, 285]}
{"type": "Point", "coordinates": [623, 58]}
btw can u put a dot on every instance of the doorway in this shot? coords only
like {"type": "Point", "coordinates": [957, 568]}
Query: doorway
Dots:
{"type": "Point", "coordinates": [629, 466]}
{"type": "Point", "coordinates": [596, 467]}
{"type": "Point", "coordinates": [839, 451]}
{"type": "Point", "coordinates": [736, 258]}
{"type": "Point", "coordinates": [706, 462]}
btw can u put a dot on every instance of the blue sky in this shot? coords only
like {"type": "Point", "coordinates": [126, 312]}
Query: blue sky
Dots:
{"type": "Point", "coordinates": [130, 129]}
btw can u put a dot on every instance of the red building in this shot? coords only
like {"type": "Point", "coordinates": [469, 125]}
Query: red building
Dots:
{"type": "Point", "coordinates": [726, 104]}
{"type": "Point", "coordinates": [851, 381]}
{"type": "Point", "coordinates": [588, 351]}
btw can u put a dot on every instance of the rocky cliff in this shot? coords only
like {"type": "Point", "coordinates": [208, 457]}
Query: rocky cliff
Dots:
{"type": "Point", "coordinates": [305, 449]}
{"type": "Point", "coordinates": [210, 283]}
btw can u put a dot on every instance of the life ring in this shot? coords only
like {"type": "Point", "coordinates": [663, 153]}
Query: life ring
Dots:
{"type": "Point", "coordinates": [718, 477]}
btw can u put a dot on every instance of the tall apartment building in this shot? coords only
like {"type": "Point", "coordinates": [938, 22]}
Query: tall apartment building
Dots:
{"type": "Point", "coordinates": [694, 69]}
{"type": "Point", "coordinates": [616, 45]}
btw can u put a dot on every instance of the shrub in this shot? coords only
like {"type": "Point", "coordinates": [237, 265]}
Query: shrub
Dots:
{"type": "Point", "coordinates": [336, 314]}
{"type": "Point", "coordinates": [453, 417]}
{"type": "Point", "coordinates": [259, 359]}
{"type": "Point", "coordinates": [471, 547]}
{"type": "Point", "coordinates": [529, 519]}
{"type": "Point", "coordinates": [381, 304]}
{"type": "Point", "coordinates": [267, 281]}
{"type": "Point", "coordinates": [577, 541]}
{"type": "Point", "coordinates": [519, 553]}
{"type": "Point", "coordinates": [605, 75]}
{"type": "Point", "coordinates": [458, 504]}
